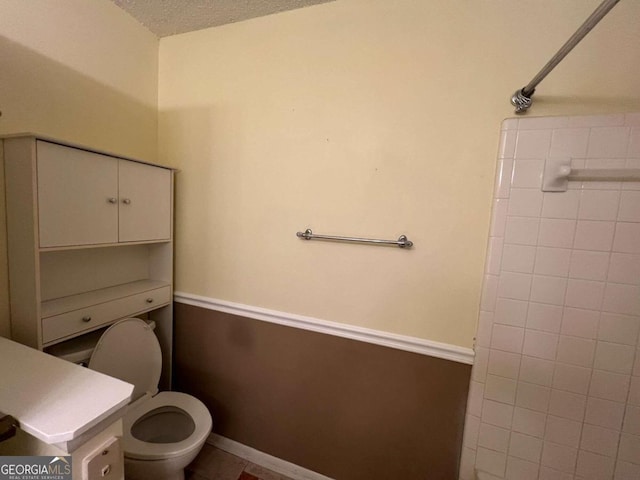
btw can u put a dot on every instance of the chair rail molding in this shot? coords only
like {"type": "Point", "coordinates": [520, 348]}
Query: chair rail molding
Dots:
{"type": "Point", "coordinates": [401, 342]}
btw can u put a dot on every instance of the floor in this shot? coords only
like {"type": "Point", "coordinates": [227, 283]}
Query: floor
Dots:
{"type": "Point", "coordinates": [215, 464]}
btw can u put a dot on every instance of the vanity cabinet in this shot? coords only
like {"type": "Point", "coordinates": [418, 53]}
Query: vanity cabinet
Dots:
{"type": "Point", "coordinates": [90, 242]}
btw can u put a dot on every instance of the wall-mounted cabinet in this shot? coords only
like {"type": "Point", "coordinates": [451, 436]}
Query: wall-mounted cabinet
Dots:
{"type": "Point", "coordinates": [90, 242]}
{"type": "Point", "coordinates": [86, 198]}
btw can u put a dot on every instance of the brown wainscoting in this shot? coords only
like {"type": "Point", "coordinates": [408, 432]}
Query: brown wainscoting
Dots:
{"type": "Point", "coordinates": [347, 409]}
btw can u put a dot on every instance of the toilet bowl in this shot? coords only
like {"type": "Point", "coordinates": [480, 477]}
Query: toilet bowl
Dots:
{"type": "Point", "coordinates": [163, 432]}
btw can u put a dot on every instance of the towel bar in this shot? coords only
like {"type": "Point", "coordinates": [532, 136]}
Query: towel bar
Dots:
{"type": "Point", "coordinates": [558, 172]}
{"type": "Point", "coordinates": [402, 241]}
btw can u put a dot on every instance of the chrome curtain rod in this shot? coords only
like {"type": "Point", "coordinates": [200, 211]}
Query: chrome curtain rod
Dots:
{"type": "Point", "coordinates": [402, 242]}
{"type": "Point", "coordinates": [521, 99]}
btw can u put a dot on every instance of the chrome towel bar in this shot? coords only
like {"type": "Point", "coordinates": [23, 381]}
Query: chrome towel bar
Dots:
{"type": "Point", "coordinates": [402, 242]}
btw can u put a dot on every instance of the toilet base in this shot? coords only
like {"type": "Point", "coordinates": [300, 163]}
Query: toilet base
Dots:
{"type": "Point", "coordinates": [166, 469]}
{"type": "Point", "coordinates": [148, 476]}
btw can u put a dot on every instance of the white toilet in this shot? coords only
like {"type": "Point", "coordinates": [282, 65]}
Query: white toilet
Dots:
{"type": "Point", "coordinates": [163, 432]}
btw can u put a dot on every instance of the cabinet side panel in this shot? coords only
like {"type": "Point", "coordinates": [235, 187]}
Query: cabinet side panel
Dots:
{"type": "Point", "coordinates": [161, 268]}
{"type": "Point", "coordinates": [24, 287]}
{"type": "Point", "coordinates": [161, 262]}
{"type": "Point", "coordinates": [5, 323]}
{"type": "Point", "coordinates": [164, 331]}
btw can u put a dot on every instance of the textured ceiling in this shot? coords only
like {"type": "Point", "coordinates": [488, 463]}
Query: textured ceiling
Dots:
{"type": "Point", "coordinates": [169, 17]}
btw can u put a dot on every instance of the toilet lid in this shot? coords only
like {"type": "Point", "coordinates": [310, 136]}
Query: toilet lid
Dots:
{"type": "Point", "coordinates": [129, 350]}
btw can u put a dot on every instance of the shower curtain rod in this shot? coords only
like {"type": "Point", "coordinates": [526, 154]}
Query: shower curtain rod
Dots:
{"type": "Point", "coordinates": [521, 99]}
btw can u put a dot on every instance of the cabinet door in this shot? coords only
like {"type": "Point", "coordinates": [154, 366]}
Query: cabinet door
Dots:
{"type": "Point", "coordinates": [145, 202]}
{"type": "Point", "coordinates": [77, 196]}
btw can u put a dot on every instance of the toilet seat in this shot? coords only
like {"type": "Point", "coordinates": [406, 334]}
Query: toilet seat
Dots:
{"type": "Point", "coordinates": [129, 350]}
{"type": "Point", "coordinates": [134, 448]}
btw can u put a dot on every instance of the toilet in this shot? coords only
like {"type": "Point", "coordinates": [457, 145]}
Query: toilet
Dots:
{"type": "Point", "coordinates": [163, 432]}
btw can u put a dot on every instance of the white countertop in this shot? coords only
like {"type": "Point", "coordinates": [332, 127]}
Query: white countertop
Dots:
{"type": "Point", "coordinates": [55, 400]}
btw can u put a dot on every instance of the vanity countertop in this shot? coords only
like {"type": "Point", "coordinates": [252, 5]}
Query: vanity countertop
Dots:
{"type": "Point", "coordinates": [54, 400]}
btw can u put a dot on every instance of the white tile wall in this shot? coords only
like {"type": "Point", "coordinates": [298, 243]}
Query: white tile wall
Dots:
{"type": "Point", "coordinates": [555, 391]}
{"type": "Point", "coordinates": [567, 405]}
{"type": "Point", "coordinates": [618, 328]}
{"type": "Point", "coordinates": [580, 322]}
{"type": "Point", "coordinates": [604, 413]}
{"type": "Point", "coordinates": [544, 317]}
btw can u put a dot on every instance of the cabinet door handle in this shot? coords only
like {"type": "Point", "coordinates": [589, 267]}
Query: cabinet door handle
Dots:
{"type": "Point", "coordinates": [149, 300]}
{"type": "Point", "coordinates": [112, 200]}
{"type": "Point", "coordinates": [86, 319]}
{"type": "Point", "coordinates": [126, 201]}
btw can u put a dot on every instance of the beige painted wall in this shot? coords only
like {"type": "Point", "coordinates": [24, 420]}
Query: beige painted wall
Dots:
{"type": "Point", "coordinates": [366, 118]}
{"type": "Point", "coordinates": [78, 70]}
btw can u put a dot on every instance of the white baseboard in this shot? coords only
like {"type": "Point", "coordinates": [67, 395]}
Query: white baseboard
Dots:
{"type": "Point", "coordinates": [265, 460]}
{"type": "Point", "coordinates": [378, 337]}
